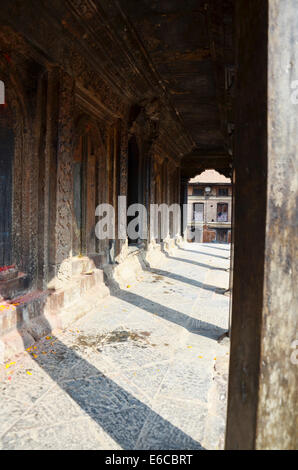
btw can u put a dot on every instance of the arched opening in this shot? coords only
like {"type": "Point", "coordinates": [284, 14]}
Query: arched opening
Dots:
{"type": "Point", "coordinates": [209, 208]}
{"type": "Point", "coordinates": [6, 185]}
{"type": "Point", "coordinates": [85, 191]}
{"type": "Point", "coordinates": [17, 274]}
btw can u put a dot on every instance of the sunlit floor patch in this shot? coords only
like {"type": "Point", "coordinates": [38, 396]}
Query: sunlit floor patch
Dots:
{"type": "Point", "coordinates": [140, 372]}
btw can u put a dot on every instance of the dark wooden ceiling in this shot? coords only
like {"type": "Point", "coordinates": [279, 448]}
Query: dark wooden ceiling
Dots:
{"type": "Point", "coordinates": [177, 53]}
{"type": "Point", "coordinates": [176, 37]}
{"type": "Point", "coordinates": [190, 44]}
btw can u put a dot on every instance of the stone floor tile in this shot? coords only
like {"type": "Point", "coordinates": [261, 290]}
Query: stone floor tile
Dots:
{"type": "Point", "coordinates": [136, 372]}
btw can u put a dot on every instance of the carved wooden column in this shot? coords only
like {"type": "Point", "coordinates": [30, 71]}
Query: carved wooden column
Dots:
{"type": "Point", "coordinates": [183, 202]}
{"type": "Point", "coordinates": [123, 179]}
{"type": "Point", "coordinates": [47, 118]}
{"type": "Point", "coordinates": [152, 196]}
{"type": "Point", "coordinates": [62, 229]}
{"type": "Point", "coordinates": [262, 405]}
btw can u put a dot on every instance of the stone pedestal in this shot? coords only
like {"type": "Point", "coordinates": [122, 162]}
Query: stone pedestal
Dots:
{"type": "Point", "coordinates": [12, 283]}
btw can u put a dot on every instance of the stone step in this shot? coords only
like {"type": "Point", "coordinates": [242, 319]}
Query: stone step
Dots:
{"type": "Point", "coordinates": [15, 287]}
{"type": "Point", "coordinates": [89, 301]}
{"type": "Point", "coordinates": [50, 304]}
{"type": "Point", "coordinates": [83, 264]}
{"type": "Point", "coordinates": [21, 310]}
{"type": "Point", "coordinates": [73, 291]}
{"type": "Point", "coordinates": [30, 322]}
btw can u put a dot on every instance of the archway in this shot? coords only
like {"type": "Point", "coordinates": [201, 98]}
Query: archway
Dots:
{"type": "Point", "coordinates": [85, 187]}
{"type": "Point", "coordinates": [210, 208]}
{"type": "Point", "coordinates": [15, 139]}
{"type": "Point", "coordinates": [6, 185]}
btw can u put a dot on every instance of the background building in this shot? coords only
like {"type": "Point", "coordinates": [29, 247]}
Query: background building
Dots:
{"type": "Point", "coordinates": [210, 207]}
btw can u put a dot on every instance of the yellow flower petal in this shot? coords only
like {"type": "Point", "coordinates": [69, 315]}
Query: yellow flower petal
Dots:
{"type": "Point", "coordinates": [9, 365]}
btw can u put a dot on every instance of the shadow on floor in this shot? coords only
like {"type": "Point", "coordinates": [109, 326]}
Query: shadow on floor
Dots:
{"type": "Point", "coordinates": [187, 280]}
{"type": "Point", "coordinates": [205, 254]}
{"type": "Point", "coordinates": [228, 249]}
{"type": "Point", "coordinates": [183, 260]}
{"type": "Point", "coordinates": [119, 413]}
{"type": "Point", "coordinates": [126, 419]}
{"type": "Point", "coordinates": [196, 263]}
{"type": "Point", "coordinates": [191, 324]}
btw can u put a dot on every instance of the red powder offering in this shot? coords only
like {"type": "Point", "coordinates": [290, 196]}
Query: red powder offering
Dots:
{"type": "Point", "coordinates": [7, 268]}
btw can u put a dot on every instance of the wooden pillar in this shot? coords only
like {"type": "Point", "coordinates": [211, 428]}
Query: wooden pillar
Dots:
{"type": "Point", "coordinates": [42, 124]}
{"type": "Point", "coordinates": [61, 220]}
{"type": "Point", "coordinates": [183, 202]}
{"type": "Point", "coordinates": [231, 279]}
{"type": "Point", "coordinates": [262, 404]}
{"type": "Point", "coordinates": [123, 176]}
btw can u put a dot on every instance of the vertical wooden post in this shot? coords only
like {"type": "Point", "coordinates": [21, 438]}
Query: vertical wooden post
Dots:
{"type": "Point", "coordinates": [262, 405]}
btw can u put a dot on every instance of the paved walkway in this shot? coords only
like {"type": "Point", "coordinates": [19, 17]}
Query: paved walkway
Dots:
{"type": "Point", "coordinates": [143, 372]}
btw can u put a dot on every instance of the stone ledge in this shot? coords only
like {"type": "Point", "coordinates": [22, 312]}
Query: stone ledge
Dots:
{"type": "Point", "coordinates": [73, 290]}
{"type": "Point", "coordinates": [134, 260]}
{"type": "Point", "coordinates": [14, 286]}
{"type": "Point", "coordinates": [120, 275]}
{"type": "Point", "coordinates": [38, 313]}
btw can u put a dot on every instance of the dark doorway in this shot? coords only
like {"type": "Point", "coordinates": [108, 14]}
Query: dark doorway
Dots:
{"type": "Point", "coordinates": [6, 166]}
{"type": "Point", "coordinates": [84, 196]}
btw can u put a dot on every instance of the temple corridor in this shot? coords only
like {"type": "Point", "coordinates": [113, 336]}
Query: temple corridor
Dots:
{"type": "Point", "coordinates": [111, 111]}
{"type": "Point", "coordinates": [144, 370]}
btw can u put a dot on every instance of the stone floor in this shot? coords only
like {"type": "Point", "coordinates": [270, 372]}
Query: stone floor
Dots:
{"type": "Point", "coordinates": [145, 371]}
